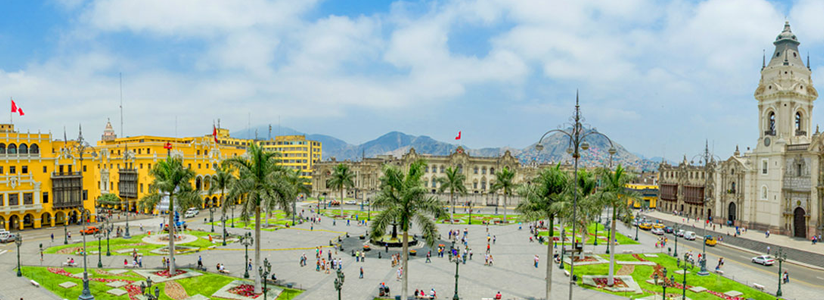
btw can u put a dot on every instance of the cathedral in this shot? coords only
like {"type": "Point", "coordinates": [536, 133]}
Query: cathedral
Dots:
{"type": "Point", "coordinates": [778, 185]}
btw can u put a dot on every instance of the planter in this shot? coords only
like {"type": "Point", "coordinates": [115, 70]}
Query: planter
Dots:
{"type": "Point", "coordinates": [413, 252]}
{"type": "Point", "coordinates": [366, 248]}
{"type": "Point", "coordinates": [362, 237]}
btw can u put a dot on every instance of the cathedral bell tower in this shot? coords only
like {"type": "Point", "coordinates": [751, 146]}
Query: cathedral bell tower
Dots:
{"type": "Point", "coordinates": [785, 95]}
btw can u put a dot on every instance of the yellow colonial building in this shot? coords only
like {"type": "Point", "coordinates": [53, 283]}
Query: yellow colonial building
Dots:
{"type": "Point", "coordinates": [296, 152]}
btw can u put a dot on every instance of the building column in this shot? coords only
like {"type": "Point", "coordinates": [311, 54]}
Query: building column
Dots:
{"type": "Point", "coordinates": [52, 219]}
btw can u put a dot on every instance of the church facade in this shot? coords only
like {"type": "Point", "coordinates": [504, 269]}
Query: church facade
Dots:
{"type": "Point", "coordinates": [778, 185]}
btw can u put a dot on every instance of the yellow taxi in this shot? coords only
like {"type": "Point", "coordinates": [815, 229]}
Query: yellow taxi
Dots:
{"type": "Point", "coordinates": [645, 226]}
{"type": "Point", "coordinates": [710, 240]}
{"type": "Point", "coordinates": [659, 225]}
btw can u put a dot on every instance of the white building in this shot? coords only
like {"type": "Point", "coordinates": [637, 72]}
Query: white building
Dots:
{"type": "Point", "coordinates": [777, 186]}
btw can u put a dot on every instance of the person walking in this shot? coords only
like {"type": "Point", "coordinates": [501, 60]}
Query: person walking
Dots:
{"type": "Point", "coordinates": [428, 256]}
{"type": "Point", "coordinates": [52, 237]}
{"type": "Point", "coordinates": [361, 272]}
{"type": "Point", "coordinates": [536, 261]}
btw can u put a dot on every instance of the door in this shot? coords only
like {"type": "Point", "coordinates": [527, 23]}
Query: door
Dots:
{"type": "Point", "coordinates": [731, 212]}
{"type": "Point", "coordinates": [800, 223]}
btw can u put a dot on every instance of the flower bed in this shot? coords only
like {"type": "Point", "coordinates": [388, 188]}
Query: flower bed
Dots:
{"type": "Point", "coordinates": [602, 282]}
{"type": "Point", "coordinates": [585, 259]}
{"type": "Point", "coordinates": [69, 250]}
{"type": "Point", "coordinates": [175, 291]}
{"type": "Point", "coordinates": [245, 290]}
{"type": "Point", "coordinates": [165, 273]}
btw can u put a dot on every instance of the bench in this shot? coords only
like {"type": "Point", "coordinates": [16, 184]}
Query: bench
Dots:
{"type": "Point", "coordinates": [566, 272]}
{"type": "Point", "coordinates": [34, 283]}
{"type": "Point", "coordinates": [720, 272]}
{"type": "Point", "coordinates": [130, 266]}
{"type": "Point", "coordinates": [627, 251]}
{"type": "Point", "coordinates": [67, 264]}
{"type": "Point", "coordinates": [224, 271]}
{"type": "Point", "coordinates": [758, 286]}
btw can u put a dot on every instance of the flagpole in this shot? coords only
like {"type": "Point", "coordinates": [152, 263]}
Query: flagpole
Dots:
{"type": "Point", "coordinates": [11, 116]}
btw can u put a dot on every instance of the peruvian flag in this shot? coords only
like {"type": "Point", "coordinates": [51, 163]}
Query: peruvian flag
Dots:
{"type": "Point", "coordinates": [214, 133]}
{"type": "Point", "coordinates": [459, 136]}
{"type": "Point", "coordinates": [16, 109]}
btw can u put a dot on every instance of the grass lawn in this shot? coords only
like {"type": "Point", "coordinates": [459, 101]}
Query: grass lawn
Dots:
{"type": "Point", "coordinates": [279, 219]}
{"type": "Point", "coordinates": [622, 239]}
{"type": "Point", "coordinates": [478, 219]}
{"type": "Point", "coordinates": [642, 273]}
{"type": "Point", "coordinates": [349, 214]}
{"type": "Point", "coordinates": [205, 285]}
{"type": "Point", "coordinates": [134, 243]}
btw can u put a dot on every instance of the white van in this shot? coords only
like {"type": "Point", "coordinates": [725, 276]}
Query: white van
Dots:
{"type": "Point", "coordinates": [191, 213]}
{"type": "Point", "coordinates": [689, 235]}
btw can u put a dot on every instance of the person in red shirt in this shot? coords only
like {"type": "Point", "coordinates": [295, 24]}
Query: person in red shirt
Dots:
{"type": "Point", "coordinates": [498, 296]}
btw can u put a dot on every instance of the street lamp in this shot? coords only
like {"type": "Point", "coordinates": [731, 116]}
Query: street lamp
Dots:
{"type": "Point", "coordinates": [706, 158]}
{"type": "Point", "coordinates": [18, 240]}
{"type": "Point", "coordinates": [609, 229]}
{"type": "Point", "coordinates": [212, 217]}
{"type": "Point", "coordinates": [264, 272]}
{"type": "Point", "coordinates": [676, 230]}
{"type": "Point", "coordinates": [338, 282]}
{"type": "Point", "coordinates": [781, 256]}
{"type": "Point", "coordinates": [469, 204]}
{"type": "Point", "coordinates": [295, 208]}
{"type": "Point", "coordinates": [65, 230]}
{"type": "Point", "coordinates": [246, 240]}
{"type": "Point", "coordinates": [86, 295]}
{"type": "Point", "coordinates": [637, 219]}
{"type": "Point", "coordinates": [684, 283]}
{"type": "Point", "coordinates": [223, 218]}
{"type": "Point", "coordinates": [99, 249]}
{"type": "Point", "coordinates": [595, 243]}
{"type": "Point", "coordinates": [457, 260]}
{"type": "Point", "coordinates": [577, 141]}
{"type": "Point", "coordinates": [146, 290]}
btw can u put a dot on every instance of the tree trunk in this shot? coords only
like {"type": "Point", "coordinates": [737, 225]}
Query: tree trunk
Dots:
{"type": "Point", "coordinates": [452, 214]}
{"type": "Point", "coordinates": [504, 207]}
{"type": "Point", "coordinates": [405, 265]}
{"type": "Point", "coordinates": [341, 203]}
{"type": "Point", "coordinates": [171, 233]}
{"type": "Point", "coordinates": [549, 260]}
{"type": "Point", "coordinates": [611, 279]}
{"type": "Point", "coordinates": [258, 288]}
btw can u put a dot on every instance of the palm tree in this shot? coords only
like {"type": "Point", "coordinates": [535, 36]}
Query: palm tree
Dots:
{"type": "Point", "coordinates": [504, 180]}
{"type": "Point", "coordinates": [171, 179]}
{"type": "Point", "coordinates": [261, 181]}
{"type": "Point", "coordinates": [541, 202]}
{"type": "Point", "coordinates": [454, 182]}
{"type": "Point", "coordinates": [615, 195]}
{"type": "Point", "coordinates": [342, 177]}
{"type": "Point", "coordinates": [221, 181]}
{"type": "Point", "coordinates": [301, 186]}
{"type": "Point", "coordinates": [404, 201]}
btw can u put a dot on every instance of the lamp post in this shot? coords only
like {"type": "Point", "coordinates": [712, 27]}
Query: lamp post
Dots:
{"type": "Point", "coordinates": [233, 219]}
{"type": "Point", "coordinates": [706, 158]}
{"type": "Point", "coordinates": [781, 256]}
{"type": "Point", "coordinates": [264, 272]}
{"type": "Point", "coordinates": [223, 219]}
{"type": "Point", "coordinates": [65, 230]}
{"type": "Point", "coordinates": [18, 240]}
{"type": "Point", "coordinates": [86, 294]}
{"type": "Point", "coordinates": [609, 229]}
{"type": "Point", "coordinates": [469, 204]}
{"type": "Point", "coordinates": [246, 240]}
{"type": "Point", "coordinates": [338, 282]}
{"type": "Point", "coordinates": [295, 208]}
{"type": "Point", "coordinates": [457, 260]}
{"type": "Point", "coordinates": [108, 233]}
{"type": "Point", "coordinates": [212, 217]}
{"type": "Point", "coordinates": [684, 283]}
{"type": "Point", "coordinates": [595, 243]}
{"type": "Point", "coordinates": [665, 283]}
{"type": "Point", "coordinates": [146, 290]}
{"type": "Point", "coordinates": [676, 229]}
{"type": "Point", "coordinates": [577, 141]}
{"type": "Point", "coordinates": [637, 217]}
{"type": "Point", "coordinates": [99, 249]}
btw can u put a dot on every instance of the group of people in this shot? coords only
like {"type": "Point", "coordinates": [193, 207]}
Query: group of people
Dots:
{"type": "Point", "coordinates": [421, 294]}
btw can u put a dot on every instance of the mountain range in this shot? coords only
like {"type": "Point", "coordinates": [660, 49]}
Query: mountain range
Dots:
{"type": "Point", "coordinates": [397, 143]}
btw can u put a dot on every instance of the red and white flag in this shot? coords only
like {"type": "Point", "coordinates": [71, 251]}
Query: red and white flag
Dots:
{"type": "Point", "coordinates": [214, 133]}
{"type": "Point", "coordinates": [16, 109]}
{"type": "Point", "coordinates": [459, 136]}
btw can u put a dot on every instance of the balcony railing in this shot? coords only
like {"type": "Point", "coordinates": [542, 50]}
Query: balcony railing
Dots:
{"type": "Point", "coordinates": [798, 147]}
{"type": "Point", "coordinates": [65, 174]}
{"type": "Point", "coordinates": [769, 132]}
{"type": "Point", "coordinates": [800, 132]}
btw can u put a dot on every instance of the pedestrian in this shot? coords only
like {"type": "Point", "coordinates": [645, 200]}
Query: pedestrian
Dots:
{"type": "Point", "coordinates": [428, 255]}
{"type": "Point", "coordinates": [768, 249]}
{"type": "Point", "coordinates": [536, 261]}
{"type": "Point", "coordinates": [357, 256]}
{"type": "Point", "coordinates": [363, 256]}
{"type": "Point", "coordinates": [494, 239]}
{"type": "Point", "coordinates": [52, 237]}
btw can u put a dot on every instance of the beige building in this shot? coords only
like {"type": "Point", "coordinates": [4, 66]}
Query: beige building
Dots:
{"type": "Point", "coordinates": [479, 171]}
{"type": "Point", "coordinates": [683, 188]}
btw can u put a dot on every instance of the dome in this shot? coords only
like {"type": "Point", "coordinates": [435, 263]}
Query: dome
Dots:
{"type": "Point", "coordinates": [786, 34]}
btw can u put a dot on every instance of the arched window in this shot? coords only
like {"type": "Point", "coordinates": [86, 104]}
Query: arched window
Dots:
{"type": "Point", "coordinates": [442, 169]}
{"type": "Point", "coordinates": [198, 183]}
{"type": "Point", "coordinates": [733, 187]}
{"type": "Point", "coordinates": [492, 171]}
{"type": "Point", "coordinates": [764, 192]}
{"type": "Point", "coordinates": [771, 126]}
{"type": "Point", "coordinates": [24, 149]}
{"type": "Point", "coordinates": [460, 168]}
{"type": "Point", "coordinates": [483, 184]}
{"type": "Point", "coordinates": [434, 183]}
{"type": "Point", "coordinates": [2, 148]}
{"type": "Point", "coordinates": [798, 120]}
{"type": "Point", "coordinates": [12, 149]}
{"type": "Point", "coordinates": [476, 170]}
{"type": "Point", "coordinates": [34, 149]}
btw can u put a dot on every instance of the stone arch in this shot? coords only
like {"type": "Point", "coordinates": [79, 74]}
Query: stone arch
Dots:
{"type": "Point", "coordinates": [12, 149]}
{"type": "Point", "coordinates": [2, 148]}
{"type": "Point", "coordinates": [23, 149]}
{"type": "Point", "coordinates": [28, 220]}
{"type": "Point", "coordinates": [45, 219]}
{"type": "Point", "coordinates": [731, 212]}
{"type": "Point", "coordinates": [34, 149]}
{"type": "Point", "coordinates": [14, 222]}
{"type": "Point", "coordinates": [491, 170]}
{"type": "Point", "coordinates": [771, 121]}
{"type": "Point", "coordinates": [198, 183]}
{"type": "Point", "coordinates": [3, 222]}
{"type": "Point", "coordinates": [799, 223]}
{"type": "Point", "coordinates": [60, 218]}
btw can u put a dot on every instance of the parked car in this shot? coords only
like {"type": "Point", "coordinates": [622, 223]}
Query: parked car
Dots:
{"type": "Point", "coordinates": [191, 213]}
{"type": "Point", "coordinates": [645, 226]}
{"type": "Point", "coordinates": [765, 260]}
{"type": "Point", "coordinates": [351, 202]}
{"type": "Point", "coordinates": [710, 241]}
{"type": "Point", "coordinates": [668, 229]}
{"type": "Point", "coordinates": [8, 238]}
{"type": "Point", "coordinates": [659, 225]}
{"type": "Point", "coordinates": [334, 203]}
{"type": "Point", "coordinates": [680, 233]}
{"type": "Point", "coordinates": [689, 235]}
{"type": "Point", "coordinates": [657, 231]}
{"type": "Point", "coordinates": [89, 230]}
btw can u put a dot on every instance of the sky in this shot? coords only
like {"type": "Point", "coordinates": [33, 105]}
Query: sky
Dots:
{"type": "Point", "coordinates": [659, 77]}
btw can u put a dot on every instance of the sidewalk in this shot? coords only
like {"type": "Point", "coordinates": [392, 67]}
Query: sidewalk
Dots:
{"type": "Point", "coordinates": [802, 251]}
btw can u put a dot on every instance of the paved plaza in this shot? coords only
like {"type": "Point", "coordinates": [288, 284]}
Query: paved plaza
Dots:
{"type": "Point", "coordinates": [513, 274]}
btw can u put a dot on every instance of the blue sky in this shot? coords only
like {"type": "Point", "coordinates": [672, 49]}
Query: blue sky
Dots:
{"type": "Point", "coordinates": [658, 77]}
